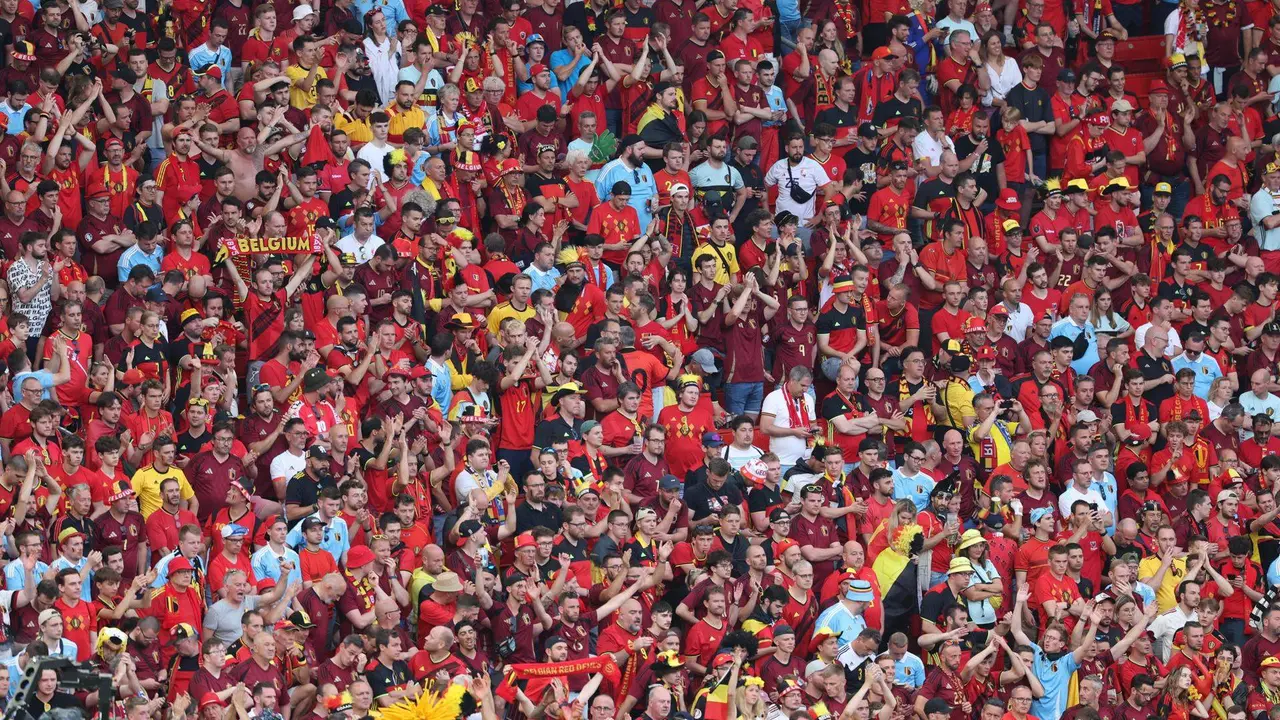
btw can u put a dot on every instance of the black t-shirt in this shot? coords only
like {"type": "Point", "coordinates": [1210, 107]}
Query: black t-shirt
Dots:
{"type": "Point", "coordinates": [889, 112]}
{"type": "Point", "coordinates": [936, 602]}
{"type": "Point", "coordinates": [1154, 370]}
{"type": "Point", "coordinates": [529, 517]}
{"type": "Point", "coordinates": [703, 501]}
{"type": "Point", "coordinates": [304, 491]}
{"type": "Point", "coordinates": [764, 499]}
{"type": "Point", "coordinates": [932, 190]}
{"type": "Point", "coordinates": [363, 82]}
{"type": "Point", "coordinates": [865, 163]}
{"type": "Point", "coordinates": [550, 431]}
{"type": "Point", "coordinates": [838, 118]}
{"type": "Point", "coordinates": [189, 444]}
{"type": "Point", "coordinates": [984, 168]}
{"type": "Point", "coordinates": [59, 701]}
{"type": "Point", "coordinates": [341, 202]}
{"type": "Point", "coordinates": [385, 679]}
{"type": "Point", "coordinates": [1036, 107]}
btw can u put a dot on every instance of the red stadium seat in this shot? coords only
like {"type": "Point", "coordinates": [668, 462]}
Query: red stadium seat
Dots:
{"type": "Point", "coordinates": [1141, 55]}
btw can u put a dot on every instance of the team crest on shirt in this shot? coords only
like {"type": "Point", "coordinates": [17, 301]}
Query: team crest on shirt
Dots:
{"type": "Point", "coordinates": [75, 623]}
{"type": "Point", "coordinates": [524, 618]}
{"type": "Point", "coordinates": [824, 530]}
{"type": "Point", "coordinates": [133, 530]}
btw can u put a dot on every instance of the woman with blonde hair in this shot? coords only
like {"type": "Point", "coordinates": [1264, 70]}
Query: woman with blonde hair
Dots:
{"type": "Point", "coordinates": [1219, 396]}
{"type": "Point", "coordinates": [904, 513]}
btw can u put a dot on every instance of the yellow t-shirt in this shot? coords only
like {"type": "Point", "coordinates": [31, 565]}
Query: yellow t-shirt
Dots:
{"type": "Point", "coordinates": [299, 98]}
{"type": "Point", "coordinates": [1176, 573]}
{"type": "Point", "coordinates": [357, 131]}
{"type": "Point", "coordinates": [504, 311]}
{"type": "Point", "coordinates": [726, 261]}
{"type": "Point", "coordinates": [146, 483]}
{"type": "Point", "coordinates": [957, 398]}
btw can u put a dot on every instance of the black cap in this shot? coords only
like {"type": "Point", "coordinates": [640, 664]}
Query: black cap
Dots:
{"type": "Point", "coordinates": [1271, 328]}
{"type": "Point", "coordinates": [669, 482]}
{"type": "Point", "coordinates": [937, 705]}
{"type": "Point", "coordinates": [326, 223]}
{"type": "Point", "coordinates": [124, 73]}
{"type": "Point", "coordinates": [469, 528]}
{"type": "Point", "coordinates": [994, 521]}
{"type": "Point", "coordinates": [1150, 506]}
{"type": "Point", "coordinates": [779, 515]}
{"type": "Point", "coordinates": [1066, 75]}
{"type": "Point", "coordinates": [312, 522]}
{"type": "Point", "coordinates": [627, 141]}
{"type": "Point", "coordinates": [867, 130]}
{"type": "Point", "coordinates": [352, 26]}
{"type": "Point", "coordinates": [301, 620]}
{"type": "Point", "coordinates": [318, 452]}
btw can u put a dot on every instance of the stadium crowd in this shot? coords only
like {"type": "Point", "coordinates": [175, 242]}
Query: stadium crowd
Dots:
{"type": "Point", "coordinates": [674, 360]}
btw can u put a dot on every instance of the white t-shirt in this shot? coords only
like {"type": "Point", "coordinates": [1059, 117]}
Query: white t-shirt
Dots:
{"type": "Point", "coordinates": [808, 176]}
{"type": "Point", "coordinates": [286, 465]}
{"type": "Point", "coordinates": [737, 458]}
{"type": "Point", "coordinates": [788, 449]}
{"type": "Point", "coordinates": [926, 147]}
{"type": "Point", "coordinates": [1173, 349]}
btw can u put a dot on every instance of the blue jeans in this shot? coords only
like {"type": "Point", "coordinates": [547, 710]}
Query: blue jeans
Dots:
{"type": "Point", "coordinates": [743, 397]}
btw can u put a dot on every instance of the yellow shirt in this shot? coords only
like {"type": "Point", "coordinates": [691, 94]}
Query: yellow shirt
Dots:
{"type": "Point", "coordinates": [957, 398]}
{"type": "Point", "coordinates": [998, 447]}
{"type": "Point", "coordinates": [504, 311]}
{"type": "Point", "coordinates": [358, 131]}
{"type": "Point", "coordinates": [726, 261]}
{"type": "Point", "coordinates": [299, 98]}
{"type": "Point", "coordinates": [402, 120]}
{"type": "Point", "coordinates": [1176, 573]}
{"type": "Point", "coordinates": [146, 483]}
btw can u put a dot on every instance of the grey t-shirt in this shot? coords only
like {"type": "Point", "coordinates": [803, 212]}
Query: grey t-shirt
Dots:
{"type": "Point", "coordinates": [222, 619]}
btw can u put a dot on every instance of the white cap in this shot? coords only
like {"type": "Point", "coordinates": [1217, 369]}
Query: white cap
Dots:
{"type": "Point", "coordinates": [1086, 416]}
{"type": "Point", "coordinates": [45, 615]}
{"type": "Point", "coordinates": [678, 188]}
{"type": "Point", "coordinates": [1227, 495]}
{"type": "Point", "coordinates": [814, 666]}
{"type": "Point", "coordinates": [302, 11]}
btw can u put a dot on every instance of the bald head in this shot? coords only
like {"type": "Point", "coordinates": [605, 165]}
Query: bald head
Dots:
{"type": "Point", "coordinates": [439, 639]}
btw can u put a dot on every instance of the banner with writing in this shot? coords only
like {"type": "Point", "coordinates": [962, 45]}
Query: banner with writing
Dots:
{"type": "Point", "coordinates": [273, 246]}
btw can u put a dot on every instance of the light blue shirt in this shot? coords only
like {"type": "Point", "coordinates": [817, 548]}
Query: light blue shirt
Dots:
{"type": "Point", "coordinates": [266, 564]}
{"type": "Point", "coordinates": [838, 619]}
{"type": "Point", "coordinates": [1110, 492]}
{"type": "Point", "coordinates": [788, 10]}
{"type": "Point", "coordinates": [133, 257]}
{"type": "Point", "coordinates": [201, 57]}
{"type": "Point", "coordinates": [337, 537]}
{"type": "Point", "coordinates": [441, 384]}
{"type": "Point", "coordinates": [914, 488]}
{"type": "Point", "coordinates": [15, 579]}
{"type": "Point", "coordinates": [777, 100]}
{"type": "Point", "coordinates": [1068, 329]}
{"type": "Point", "coordinates": [909, 671]}
{"type": "Point", "coordinates": [564, 57]}
{"type": "Point", "coordinates": [1054, 675]}
{"type": "Point", "coordinates": [16, 117]}
{"type": "Point", "coordinates": [392, 9]}
{"type": "Point", "coordinates": [1273, 572]}
{"type": "Point", "coordinates": [543, 280]}
{"type": "Point", "coordinates": [1206, 369]}
{"type": "Point", "coordinates": [60, 563]}
{"type": "Point", "coordinates": [642, 185]}
{"type": "Point", "coordinates": [44, 376]}
{"type": "Point", "coordinates": [162, 569]}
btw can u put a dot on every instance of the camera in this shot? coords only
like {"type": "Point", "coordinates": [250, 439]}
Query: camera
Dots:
{"type": "Point", "coordinates": [1006, 404]}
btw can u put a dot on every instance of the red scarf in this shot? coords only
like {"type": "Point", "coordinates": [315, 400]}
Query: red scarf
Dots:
{"type": "Point", "coordinates": [797, 412]}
